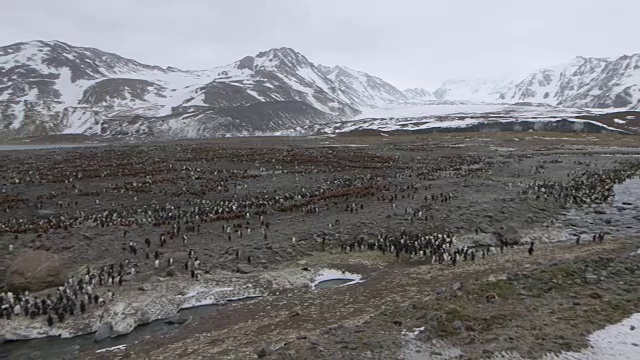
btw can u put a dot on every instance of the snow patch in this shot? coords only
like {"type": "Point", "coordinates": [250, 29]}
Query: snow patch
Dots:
{"type": "Point", "coordinates": [200, 296]}
{"type": "Point", "coordinates": [115, 348]}
{"type": "Point", "coordinates": [615, 342]}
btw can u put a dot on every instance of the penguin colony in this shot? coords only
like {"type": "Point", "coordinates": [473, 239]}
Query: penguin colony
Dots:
{"type": "Point", "coordinates": [240, 210]}
{"type": "Point", "coordinates": [77, 296]}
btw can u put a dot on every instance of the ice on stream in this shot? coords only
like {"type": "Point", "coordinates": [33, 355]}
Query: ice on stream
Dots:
{"type": "Point", "coordinates": [323, 275]}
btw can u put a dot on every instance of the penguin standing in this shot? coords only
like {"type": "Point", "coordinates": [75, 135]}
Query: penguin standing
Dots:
{"type": "Point", "coordinates": [530, 250]}
{"type": "Point", "coordinates": [50, 320]}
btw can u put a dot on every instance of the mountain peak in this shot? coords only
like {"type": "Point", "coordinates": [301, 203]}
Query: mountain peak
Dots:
{"type": "Point", "coordinates": [281, 57]}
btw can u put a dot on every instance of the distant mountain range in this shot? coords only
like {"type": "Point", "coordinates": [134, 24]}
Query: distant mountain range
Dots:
{"type": "Point", "coordinates": [51, 87]}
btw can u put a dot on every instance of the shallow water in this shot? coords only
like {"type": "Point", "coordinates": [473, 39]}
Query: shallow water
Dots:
{"type": "Point", "coordinates": [57, 348]}
{"type": "Point", "coordinates": [619, 217]}
{"type": "Point", "coordinates": [328, 284]}
{"type": "Point", "coordinates": [43, 146]}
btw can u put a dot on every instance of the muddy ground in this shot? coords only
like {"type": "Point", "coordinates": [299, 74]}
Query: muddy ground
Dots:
{"type": "Point", "coordinates": [484, 173]}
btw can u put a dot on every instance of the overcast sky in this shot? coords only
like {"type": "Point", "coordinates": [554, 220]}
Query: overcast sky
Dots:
{"type": "Point", "coordinates": [406, 42]}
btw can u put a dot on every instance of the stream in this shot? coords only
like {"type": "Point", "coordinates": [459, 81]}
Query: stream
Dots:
{"type": "Point", "coordinates": [619, 217]}
{"type": "Point", "coordinates": [58, 348]}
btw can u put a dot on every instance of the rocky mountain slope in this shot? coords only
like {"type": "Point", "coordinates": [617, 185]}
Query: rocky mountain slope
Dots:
{"type": "Point", "coordinates": [363, 90]}
{"type": "Point", "coordinates": [559, 84]}
{"type": "Point", "coordinates": [419, 95]}
{"type": "Point", "coordinates": [53, 87]}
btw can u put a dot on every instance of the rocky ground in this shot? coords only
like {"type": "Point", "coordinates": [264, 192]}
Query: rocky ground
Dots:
{"type": "Point", "coordinates": [577, 288]}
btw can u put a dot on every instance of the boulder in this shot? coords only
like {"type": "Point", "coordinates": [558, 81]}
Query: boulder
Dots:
{"type": "Point", "coordinates": [104, 331]}
{"type": "Point", "coordinates": [591, 278]}
{"type": "Point", "coordinates": [263, 352]}
{"type": "Point", "coordinates": [124, 322]}
{"type": "Point", "coordinates": [509, 234]}
{"type": "Point", "coordinates": [177, 320]}
{"type": "Point", "coordinates": [599, 210]}
{"type": "Point", "coordinates": [244, 269]}
{"type": "Point", "coordinates": [38, 245]}
{"type": "Point", "coordinates": [36, 270]}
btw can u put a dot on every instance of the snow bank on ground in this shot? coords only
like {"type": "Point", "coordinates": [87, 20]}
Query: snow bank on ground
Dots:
{"type": "Point", "coordinates": [200, 296]}
{"type": "Point", "coordinates": [620, 341]}
{"type": "Point", "coordinates": [615, 342]}
{"type": "Point", "coordinates": [115, 348]}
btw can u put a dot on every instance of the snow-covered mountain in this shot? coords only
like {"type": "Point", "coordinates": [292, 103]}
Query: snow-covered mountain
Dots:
{"type": "Point", "coordinates": [53, 87]}
{"type": "Point", "coordinates": [558, 84]}
{"type": "Point", "coordinates": [584, 82]}
{"type": "Point", "coordinates": [363, 90]}
{"type": "Point", "coordinates": [419, 95]}
{"type": "Point", "coordinates": [489, 90]}
{"type": "Point", "coordinates": [616, 85]}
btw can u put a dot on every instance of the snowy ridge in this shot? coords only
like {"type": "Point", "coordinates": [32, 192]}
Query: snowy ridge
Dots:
{"type": "Point", "coordinates": [419, 95]}
{"type": "Point", "coordinates": [362, 89]}
{"type": "Point", "coordinates": [557, 85]}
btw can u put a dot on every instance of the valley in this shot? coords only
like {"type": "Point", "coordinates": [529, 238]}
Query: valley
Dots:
{"type": "Point", "coordinates": [428, 225]}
